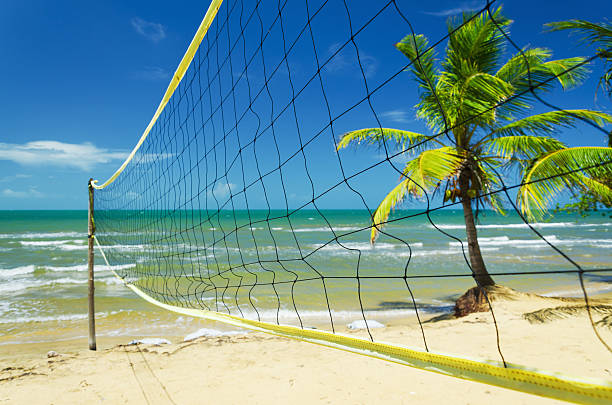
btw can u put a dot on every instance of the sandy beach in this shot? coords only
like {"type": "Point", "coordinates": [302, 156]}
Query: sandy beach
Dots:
{"type": "Point", "coordinates": [545, 333]}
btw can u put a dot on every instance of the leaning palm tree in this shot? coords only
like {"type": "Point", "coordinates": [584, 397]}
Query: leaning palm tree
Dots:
{"type": "Point", "coordinates": [471, 101]}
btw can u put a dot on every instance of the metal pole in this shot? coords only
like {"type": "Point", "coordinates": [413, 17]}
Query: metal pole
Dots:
{"type": "Point", "coordinates": [90, 265]}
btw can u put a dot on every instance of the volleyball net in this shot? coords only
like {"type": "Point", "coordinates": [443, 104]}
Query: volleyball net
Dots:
{"type": "Point", "coordinates": [286, 185]}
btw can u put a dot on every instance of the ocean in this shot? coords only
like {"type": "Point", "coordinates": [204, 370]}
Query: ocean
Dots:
{"type": "Point", "coordinates": [43, 267]}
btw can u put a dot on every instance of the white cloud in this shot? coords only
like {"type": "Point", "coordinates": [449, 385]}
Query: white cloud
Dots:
{"type": "Point", "coordinates": [222, 190]}
{"type": "Point", "coordinates": [464, 6]}
{"type": "Point", "coordinates": [399, 116]}
{"type": "Point", "coordinates": [153, 31]}
{"type": "Point", "coordinates": [14, 177]}
{"type": "Point", "coordinates": [53, 153]}
{"type": "Point", "coordinates": [346, 60]}
{"type": "Point", "coordinates": [31, 193]}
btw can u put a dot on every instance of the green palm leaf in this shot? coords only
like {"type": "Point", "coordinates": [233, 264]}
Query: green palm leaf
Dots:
{"type": "Point", "coordinates": [515, 68]}
{"type": "Point", "coordinates": [574, 168]}
{"type": "Point", "coordinates": [595, 33]}
{"type": "Point", "coordinates": [568, 72]}
{"type": "Point", "coordinates": [478, 96]}
{"type": "Point", "coordinates": [523, 147]}
{"type": "Point", "coordinates": [422, 57]}
{"type": "Point", "coordinates": [478, 44]}
{"type": "Point", "coordinates": [592, 32]}
{"type": "Point", "coordinates": [549, 122]}
{"type": "Point", "coordinates": [530, 68]}
{"type": "Point", "coordinates": [375, 136]}
{"type": "Point", "coordinates": [416, 48]}
{"type": "Point", "coordinates": [423, 173]}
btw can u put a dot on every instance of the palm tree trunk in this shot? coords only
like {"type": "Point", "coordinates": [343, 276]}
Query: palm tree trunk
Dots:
{"type": "Point", "coordinates": [481, 274]}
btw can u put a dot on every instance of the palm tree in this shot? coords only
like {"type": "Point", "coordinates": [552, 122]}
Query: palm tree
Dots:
{"type": "Point", "coordinates": [471, 101]}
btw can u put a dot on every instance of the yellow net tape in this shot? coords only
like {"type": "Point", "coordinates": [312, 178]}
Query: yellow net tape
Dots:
{"type": "Point", "coordinates": [176, 79]}
{"type": "Point", "coordinates": [515, 377]}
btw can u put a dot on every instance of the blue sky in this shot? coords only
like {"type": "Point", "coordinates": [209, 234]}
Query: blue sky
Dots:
{"type": "Point", "coordinates": [81, 81]}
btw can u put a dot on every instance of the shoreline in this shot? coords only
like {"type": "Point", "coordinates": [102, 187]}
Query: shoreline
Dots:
{"type": "Point", "coordinates": [147, 320]}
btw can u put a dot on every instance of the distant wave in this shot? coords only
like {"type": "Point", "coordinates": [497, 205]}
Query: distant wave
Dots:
{"type": "Point", "coordinates": [523, 226]}
{"type": "Point", "coordinates": [15, 286]}
{"type": "Point", "coordinates": [71, 317]}
{"type": "Point", "coordinates": [537, 243]}
{"type": "Point", "coordinates": [72, 247]}
{"type": "Point", "coordinates": [83, 267]}
{"type": "Point", "coordinates": [76, 244]}
{"type": "Point", "coordinates": [57, 235]}
{"type": "Point", "coordinates": [45, 243]}
{"type": "Point", "coordinates": [364, 246]}
{"type": "Point", "coordinates": [32, 235]}
{"type": "Point", "coordinates": [17, 271]}
{"type": "Point", "coordinates": [327, 229]}
{"type": "Point", "coordinates": [438, 252]}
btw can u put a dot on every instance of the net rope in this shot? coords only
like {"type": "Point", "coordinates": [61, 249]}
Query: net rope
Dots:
{"type": "Point", "coordinates": [222, 206]}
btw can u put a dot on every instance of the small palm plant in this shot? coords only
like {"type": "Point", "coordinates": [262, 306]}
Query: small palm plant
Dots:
{"type": "Point", "coordinates": [471, 101]}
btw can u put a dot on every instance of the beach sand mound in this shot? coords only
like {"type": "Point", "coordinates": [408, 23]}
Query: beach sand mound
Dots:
{"type": "Point", "coordinates": [474, 300]}
{"type": "Point", "coordinates": [478, 299]}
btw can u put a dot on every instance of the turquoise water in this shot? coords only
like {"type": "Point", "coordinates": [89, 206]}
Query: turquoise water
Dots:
{"type": "Point", "coordinates": [187, 260]}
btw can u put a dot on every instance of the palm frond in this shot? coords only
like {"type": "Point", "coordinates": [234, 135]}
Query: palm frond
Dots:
{"type": "Point", "coordinates": [578, 168]}
{"type": "Point", "coordinates": [432, 167]}
{"type": "Point", "coordinates": [531, 69]}
{"type": "Point", "coordinates": [568, 72]}
{"type": "Point", "coordinates": [524, 147]}
{"type": "Point", "coordinates": [416, 48]}
{"type": "Point", "coordinates": [423, 173]}
{"type": "Point", "coordinates": [549, 122]}
{"type": "Point", "coordinates": [599, 33]}
{"type": "Point", "coordinates": [479, 94]}
{"type": "Point", "coordinates": [478, 44]}
{"type": "Point", "coordinates": [381, 214]}
{"type": "Point", "coordinates": [376, 136]}
{"type": "Point", "coordinates": [515, 68]}
{"type": "Point", "coordinates": [596, 33]}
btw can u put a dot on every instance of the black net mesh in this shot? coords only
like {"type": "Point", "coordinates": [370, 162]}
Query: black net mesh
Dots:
{"type": "Point", "coordinates": [244, 200]}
